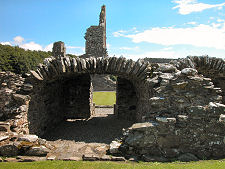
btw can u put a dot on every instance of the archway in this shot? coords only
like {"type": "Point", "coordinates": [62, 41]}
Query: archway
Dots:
{"type": "Point", "coordinates": [63, 86]}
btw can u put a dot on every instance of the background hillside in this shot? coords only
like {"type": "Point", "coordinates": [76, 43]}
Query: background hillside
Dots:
{"type": "Point", "coordinates": [18, 60]}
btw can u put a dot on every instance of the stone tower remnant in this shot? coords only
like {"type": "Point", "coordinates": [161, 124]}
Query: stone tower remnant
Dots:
{"type": "Point", "coordinates": [59, 50]}
{"type": "Point", "coordinates": [102, 23]}
{"type": "Point", "coordinates": [95, 36]}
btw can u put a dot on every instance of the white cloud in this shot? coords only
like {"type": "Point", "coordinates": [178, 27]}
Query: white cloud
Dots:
{"type": "Point", "coordinates": [192, 23]}
{"type": "Point", "coordinates": [31, 46]}
{"type": "Point", "coordinates": [118, 33]}
{"type": "Point", "coordinates": [18, 39]}
{"type": "Point", "coordinates": [6, 43]}
{"type": "Point", "coordinates": [220, 20]}
{"type": "Point", "coordinates": [212, 36]}
{"type": "Point", "coordinates": [48, 47]}
{"type": "Point", "coordinates": [188, 6]}
{"type": "Point", "coordinates": [168, 48]}
{"type": "Point", "coordinates": [129, 48]}
{"type": "Point", "coordinates": [121, 32]}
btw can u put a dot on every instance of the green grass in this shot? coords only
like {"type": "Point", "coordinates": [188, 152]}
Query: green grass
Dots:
{"type": "Point", "coordinates": [104, 98]}
{"type": "Point", "coordinates": [211, 164]}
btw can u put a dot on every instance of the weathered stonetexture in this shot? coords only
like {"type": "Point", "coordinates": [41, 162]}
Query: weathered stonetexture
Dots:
{"type": "Point", "coordinates": [210, 67]}
{"type": "Point", "coordinates": [95, 41]}
{"type": "Point", "coordinates": [14, 100]}
{"type": "Point", "coordinates": [102, 23]}
{"type": "Point", "coordinates": [59, 50]}
{"type": "Point", "coordinates": [95, 37]}
{"type": "Point", "coordinates": [201, 135]}
{"type": "Point", "coordinates": [57, 100]}
{"type": "Point", "coordinates": [69, 91]}
{"type": "Point", "coordinates": [184, 121]}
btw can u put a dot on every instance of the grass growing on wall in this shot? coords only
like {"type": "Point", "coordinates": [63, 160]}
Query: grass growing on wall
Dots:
{"type": "Point", "coordinates": [104, 98]}
{"type": "Point", "coordinates": [210, 164]}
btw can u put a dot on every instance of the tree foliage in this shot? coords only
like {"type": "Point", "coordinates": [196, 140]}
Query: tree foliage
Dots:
{"type": "Point", "coordinates": [18, 60]}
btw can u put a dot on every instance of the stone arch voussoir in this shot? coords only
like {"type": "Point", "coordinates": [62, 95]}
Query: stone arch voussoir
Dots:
{"type": "Point", "coordinates": [128, 68]}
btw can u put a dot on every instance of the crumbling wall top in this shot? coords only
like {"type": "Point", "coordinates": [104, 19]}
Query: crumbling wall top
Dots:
{"type": "Point", "coordinates": [102, 17]}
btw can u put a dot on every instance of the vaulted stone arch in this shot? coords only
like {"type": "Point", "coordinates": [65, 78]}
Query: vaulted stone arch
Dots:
{"type": "Point", "coordinates": [57, 82]}
{"type": "Point", "coordinates": [210, 67]}
{"type": "Point", "coordinates": [130, 69]}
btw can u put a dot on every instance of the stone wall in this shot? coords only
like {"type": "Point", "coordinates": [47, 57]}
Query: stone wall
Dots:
{"type": "Point", "coordinates": [14, 100]}
{"type": "Point", "coordinates": [211, 67]}
{"type": "Point", "coordinates": [185, 119]}
{"type": "Point", "coordinates": [181, 110]}
{"type": "Point", "coordinates": [94, 42]}
{"type": "Point", "coordinates": [57, 100]}
{"type": "Point", "coordinates": [158, 60]}
{"type": "Point", "coordinates": [54, 80]}
{"type": "Point", "coordinates": [95, 37]}
{"type": "Point", "coordinates": [59, 50]}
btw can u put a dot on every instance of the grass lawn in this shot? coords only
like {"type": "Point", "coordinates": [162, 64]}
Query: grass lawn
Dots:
{"type": "Point", "coordinates": [211, 164]}
{"type": "Point", "coordinates": [104, 98]}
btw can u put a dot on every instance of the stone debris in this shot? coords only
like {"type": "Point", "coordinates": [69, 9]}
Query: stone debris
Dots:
{"type": "Point", "coordinates": [9, 150]}
{"type": "Point", "coordinates": [179, 106]}
{"type": "Point", "coordinates": [14, 100]}
{"type": "Point", "coordinates": [28, 145]}
{"type": "Point", "coordinates": [28, 138]}
{"type": "Point", "coordinates": [114, 147]}
{"type": "Point", "coordinates": [29, 158]}
{"type": "Point", "coordinates": [187, 157]}
{"type": "Point", "coordinates": [37, 151]}
{"type": "Point", "coordinates": [184, 108]}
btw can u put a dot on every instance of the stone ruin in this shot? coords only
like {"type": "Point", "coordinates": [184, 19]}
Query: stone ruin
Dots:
{"type": "Point", "coordinates": [59, 50]}
{"type": "Point", "coordinates": [178, 108]}
{"type": "Point", "coordinates": [95, 37]}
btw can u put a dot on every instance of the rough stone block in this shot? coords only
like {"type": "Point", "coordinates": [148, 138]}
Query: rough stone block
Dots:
{"type": "Point", "coordinates": [189, 71]}
{"type": "Point", "coordinates": [9, 150]}
{"type": "Point", "coordinates": [28, 138]}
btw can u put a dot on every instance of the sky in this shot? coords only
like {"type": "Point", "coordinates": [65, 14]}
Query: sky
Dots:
{"type": "Point", "coordinates": [135, 28]}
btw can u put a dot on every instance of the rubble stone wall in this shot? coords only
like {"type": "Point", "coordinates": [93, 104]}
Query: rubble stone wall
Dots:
{"type": "Point", "coordinates": [181, 111]}
{"type": "Point", "coordinates": [185, 119]}
{"type": "Point", "coordinates": [95, 41]}
{"type": "Point", "coordinates": [14, 100]}
{"type": "Point", "coordinates": [95, 36]}
{"type": "Point", "coordinates": [57, 100]}
{"type": "Point", "coordinates": [48, 78]}
{"type": "Point", "coordinates": [211, 67]}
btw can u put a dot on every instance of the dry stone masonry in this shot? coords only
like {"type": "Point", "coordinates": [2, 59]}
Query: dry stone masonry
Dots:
{"type": "Point", "coordinates": [210, 67]}
{"type": "Point", "coordinates": [96, 38]}
{"type": "Point", "coordinates": [178, 108]}
{"type": "Point", "coordinates": [180, 113]}
{"type": "Point", "coordinates": [185, 121]}
{"type": "Point", "coordinates": [59, 50]}
{"type": "Point", "coordinates": [14, 102]}
{"type": "Point", "coordinates": [57, 76]}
